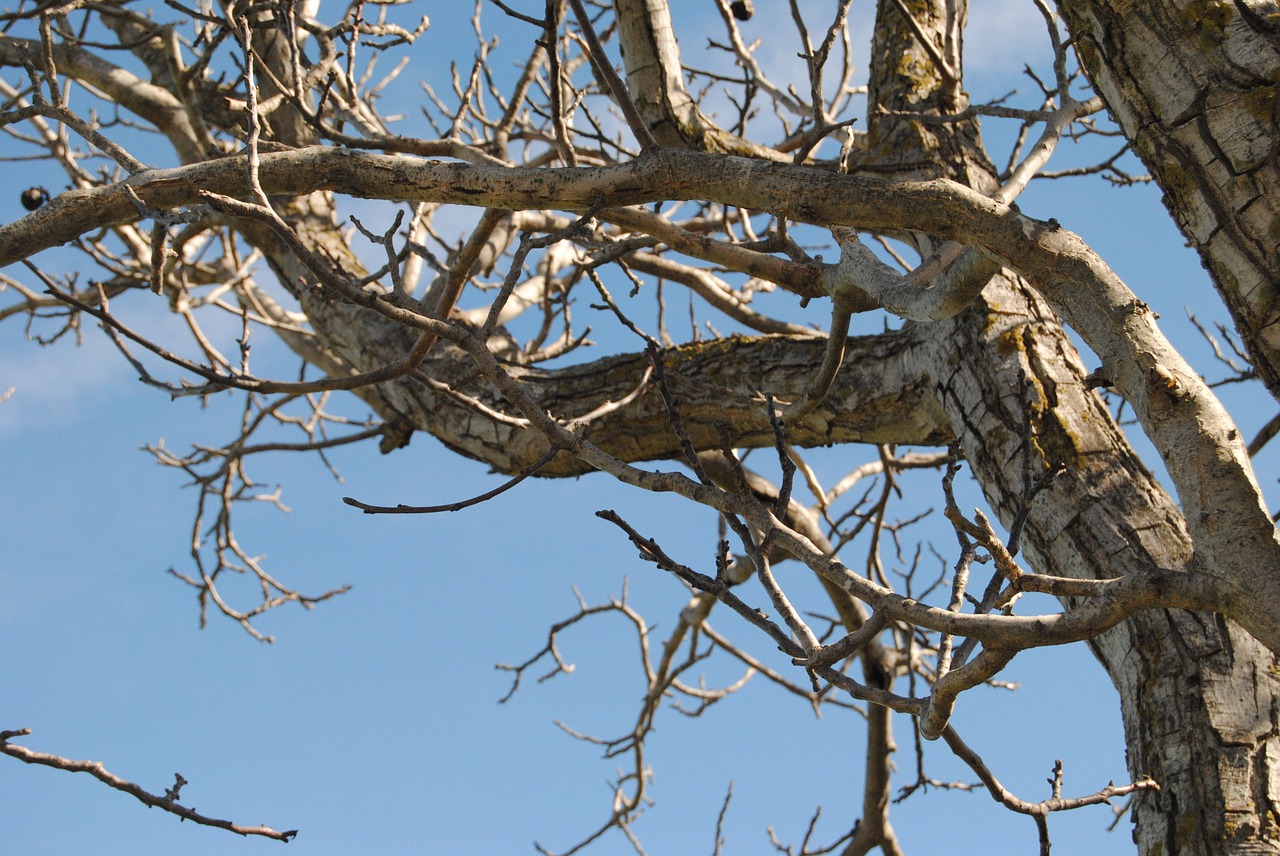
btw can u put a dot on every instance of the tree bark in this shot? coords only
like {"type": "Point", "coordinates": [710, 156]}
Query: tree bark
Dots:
{"type": "Point", "coordinates": [1196, 88]}
{"type": "Point", "coordinates": [1199, 698]}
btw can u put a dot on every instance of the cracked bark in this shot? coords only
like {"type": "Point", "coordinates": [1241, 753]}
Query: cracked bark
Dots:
{"type": "Point", "coordinates": [1196, 87]}
{"type": "Point", "coordinates": [1198, 696]}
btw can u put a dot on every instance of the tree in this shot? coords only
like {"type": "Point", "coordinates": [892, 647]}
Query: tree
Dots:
{"type": "Point", "coordinates": [1202, 116]}
{"type": "Point", "coordinates": [566, 174]}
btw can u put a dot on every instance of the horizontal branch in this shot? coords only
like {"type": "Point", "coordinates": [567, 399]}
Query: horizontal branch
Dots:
{"type": "Point", "coordinates": [879, 400]}
{"type": "Point", "coordinates": [1197, 440]}
{"type": "Point", "coordinates": [168, 802]}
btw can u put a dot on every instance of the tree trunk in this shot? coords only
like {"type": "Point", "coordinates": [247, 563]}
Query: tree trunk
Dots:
{"type": "Point", "coordinates": [1196, 87]}
{"type": "Point", "coordinates": [1199, 697]}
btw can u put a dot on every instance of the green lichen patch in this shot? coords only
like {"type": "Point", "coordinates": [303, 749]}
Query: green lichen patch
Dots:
{"type": "Point", "coordinates": [1263, 103]}
{"type": "Point", "coordinates": [1207, 19]}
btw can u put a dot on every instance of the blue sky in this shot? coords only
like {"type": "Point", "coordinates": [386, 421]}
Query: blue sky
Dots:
{"type": "Point", "coordinates": [372, 724]}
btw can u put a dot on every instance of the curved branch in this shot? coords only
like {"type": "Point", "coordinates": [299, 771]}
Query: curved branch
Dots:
{"type": "Point", "coordinates": [153, 103]}
{"type": "Point", "coordinates": [861, 273]}
{"type": "Point", "coordinates": [1200, 446]}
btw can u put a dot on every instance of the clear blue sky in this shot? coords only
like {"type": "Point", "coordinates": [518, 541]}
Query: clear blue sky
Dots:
{"type": "Point", "coordinates": [372, 724]}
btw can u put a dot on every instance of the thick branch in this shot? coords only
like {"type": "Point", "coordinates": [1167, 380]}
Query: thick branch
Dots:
{"type": "Point", "coordinates": [1200, 446]}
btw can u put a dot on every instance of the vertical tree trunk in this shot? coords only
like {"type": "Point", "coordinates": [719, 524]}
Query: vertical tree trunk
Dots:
{"type": "Point", "coordinates": [1199, 698]}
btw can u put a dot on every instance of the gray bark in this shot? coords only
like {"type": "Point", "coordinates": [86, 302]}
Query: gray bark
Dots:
{"type": "Point", "coordinates": [1198, 695]}
{"type": "Point", "coordinates": [1196, 87]}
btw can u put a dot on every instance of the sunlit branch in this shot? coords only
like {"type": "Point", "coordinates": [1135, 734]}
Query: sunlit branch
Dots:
{"type": "Point", "coordinates": [168, 802]}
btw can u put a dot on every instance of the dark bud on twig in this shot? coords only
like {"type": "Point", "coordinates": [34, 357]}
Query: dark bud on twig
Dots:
{"type": "Point", "coordinates": [33, 197]}
{"type": "Point", "coordinates": [742, 10]}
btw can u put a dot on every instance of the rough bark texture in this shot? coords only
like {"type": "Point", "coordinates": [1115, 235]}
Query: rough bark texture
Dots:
{"type": "Point", "coordinates": [720, 385]}
{"type": "Point", "coordinates": [1199, 698]}
{"type": "Point", "coordinates": [1196, 87]}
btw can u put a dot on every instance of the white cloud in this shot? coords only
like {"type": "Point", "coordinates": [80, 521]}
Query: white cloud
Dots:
{"type": "Point", "coordinates": [57, 384]}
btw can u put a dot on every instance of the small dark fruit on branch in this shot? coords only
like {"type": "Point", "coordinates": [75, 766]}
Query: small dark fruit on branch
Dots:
{"type": "Point", "coordinates": [33, 197]}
